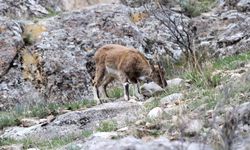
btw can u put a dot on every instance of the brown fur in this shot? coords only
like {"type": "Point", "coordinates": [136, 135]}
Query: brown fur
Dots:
{"type": "Point", "coordinates": [124, 64]}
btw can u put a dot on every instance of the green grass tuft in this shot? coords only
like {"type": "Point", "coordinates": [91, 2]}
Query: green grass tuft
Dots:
{"type": "Point", "coordinates": [41, 144]}
{"type": "Point", "coordinates": [87, 133]}
{"type": "Point", "coordinates": [13, 117]}
{"type": "Point", "coordinates": [107, 126]}
{"type": "Point", "coordinates": [194, 8]}
{"type": "Point", "coordinates": [231, 62]}
{"type": "Point", "coordinates": [115, 92]}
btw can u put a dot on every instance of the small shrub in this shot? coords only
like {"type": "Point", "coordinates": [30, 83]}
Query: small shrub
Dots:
{"type": "Point", "coordinates": [87, 133]}
{"type": "Point", "coordinates": [107, 126]}
{"type": "Point", "coordinates": [194, 8]}
{"type": "Point", "coordinates": [203, 79]}
{"type": "Point", "coordinates": [8, 120]}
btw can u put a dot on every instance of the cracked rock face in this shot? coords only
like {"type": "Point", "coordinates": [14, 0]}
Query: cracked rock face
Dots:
{"type": "Point", "coordinates": [224, 32]}
{"type": "Point", "coordinates": [42, 8]}
{"type": "Point", "coordinates": [10, 42]}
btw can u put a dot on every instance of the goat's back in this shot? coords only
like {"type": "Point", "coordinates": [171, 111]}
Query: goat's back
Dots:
{"type": "Point", "coordinates": [118, 57]}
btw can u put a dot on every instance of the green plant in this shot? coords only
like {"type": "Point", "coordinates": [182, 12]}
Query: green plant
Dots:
{"type": "Point", "coordinates": [41, 144]}
{"type": "Point", "coordinates": [115, 92]}
{"type": "Point", "coordinates": [194, 8]}
{"type": "Point", "coordinates": [231, 62]}
{"type": "Point", "coordinates": [107, 126]}
{"type": "Point", "coordinates": [152, 104]}
{"type": "Point", "coordinates": [8, 119]}
{"type": "Point", "coordinates": [87, 133]}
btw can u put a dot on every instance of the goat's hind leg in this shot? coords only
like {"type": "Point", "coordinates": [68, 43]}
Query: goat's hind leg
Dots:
{"type": "Point", "coordinates": [106, 81]}
{"type": "Point", "coordinates": [99, 75]}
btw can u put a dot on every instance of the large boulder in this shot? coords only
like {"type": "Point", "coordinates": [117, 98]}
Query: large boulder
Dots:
{"type": "Point", "coordinates": [135, 144]}
{"type": "Point", "coordinates": [223, 32]}
{"type": "Point", "coordinates": [10, 41]}
{"type": "Point", "coordinates": [74, 123]}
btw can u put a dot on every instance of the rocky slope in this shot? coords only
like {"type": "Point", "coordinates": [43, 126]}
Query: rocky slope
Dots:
{"type": "Point", "coordinates": [44, 48]}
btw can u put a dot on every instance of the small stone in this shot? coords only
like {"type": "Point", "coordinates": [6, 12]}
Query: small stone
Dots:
{"type": "Point", "coordinates": [50, 118]}
{"type": "Point", "coordinates": [123, 129]}
{"type": "Point", "coordinates": [28, 122]}
{"type": "Point", "coordinates": [105, 135]}
{"type": "Point", "coordinates": [155, 113]}
{"type": "Point", "coordinates": [148, 89]}
{"type": "Point", "coordinates": [140, 122]}
{"type": "Point", "coordinates": [193, 127]}
{"type": "Point", "coordinates": [173, 98]}
{"type": "Point", "coordinates": [153, 125]}
{"type": "Point", "coordinates": [64, 111]}
{"type": "Point", "coordinates": [12, 147]}
{"type": "Point", "coordinates": [175, 82]}
{"type": "Point", "coordinates": [41, 121]}
{"type": "Point", "coordinates": [209, 113]}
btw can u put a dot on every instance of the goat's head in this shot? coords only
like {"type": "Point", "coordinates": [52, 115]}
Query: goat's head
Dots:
{"type": "Point", "coordinates": [158, 74]}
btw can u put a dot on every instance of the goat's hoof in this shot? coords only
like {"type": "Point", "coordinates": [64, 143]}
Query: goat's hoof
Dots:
{"type": "Point", "coordinates": [98, 101]}
{"type": "Point", "coordinates": [132, 100]}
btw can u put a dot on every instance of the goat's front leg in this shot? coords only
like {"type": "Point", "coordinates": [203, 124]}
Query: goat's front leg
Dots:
{"type": "Point", "coordinates": [96, 95]}
{"type": "Point", "coordinates": [126, 90]}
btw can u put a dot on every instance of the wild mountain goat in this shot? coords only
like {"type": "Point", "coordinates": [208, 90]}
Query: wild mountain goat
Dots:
{"type": "Point", "coordinates": [127, 65]}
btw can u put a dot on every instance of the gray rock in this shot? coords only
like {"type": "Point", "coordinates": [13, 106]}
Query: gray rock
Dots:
{"type": "Point", "coordinates": [198, 146]}
{"type": "Point", "coordinates": [12, 147]}
{"type": "Point", "coordinates": [148, 89]}
{"type": "Point", "coordinates": [11, 41]}
{"type": "Point", "coordinates": [171, 99]}
{"type": "Point", "coordinates": [222, 32]}
{"type": "Point", "coordinates": [136, 144]}
{"type": "Point", "coordinates": [133, 3]}
{"type": "Point", "coordinates": [155, 113]}
{"type": "Point", "coordinates": [242, 144]}
{"type": "Point", "coordinates": [33, 149]}
{"type": "Point", "coordinates": [75, 122]}
{"type": "Point", "coordinates": [105, 135]}
{"type": "Point", "coordinates": [193, 128]}
{"type": "Point", "coordinates": [243, 5]}
{"type": "Point", "coordinates": [22, 8]}
{"type": "Point", "coordinates": [68, 5]}
{"type": "Point", "coordinates": [28, 122]}
{"type": "Point", "coordinates": [175, 82]}
{"type": "Point", "coordinates": [243, 112]}
{"type": "Point", "coordinates": [43, 8]}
